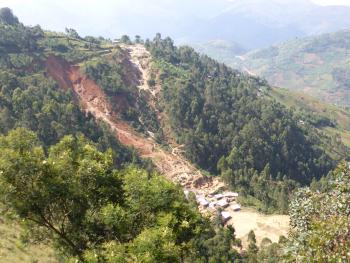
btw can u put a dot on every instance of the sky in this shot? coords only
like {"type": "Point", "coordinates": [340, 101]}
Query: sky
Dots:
{"type": "Point", "coordinates": [111, 18]}
{"type": "Point", "coordinates": [332, 2]}
{"type": "Point", "coordinates": [106, 17]}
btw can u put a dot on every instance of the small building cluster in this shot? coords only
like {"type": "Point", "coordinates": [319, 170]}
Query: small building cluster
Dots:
{"type": "Point", "coordinates": [224, 202]}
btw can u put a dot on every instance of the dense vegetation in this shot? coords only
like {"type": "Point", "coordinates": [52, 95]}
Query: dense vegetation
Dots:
{"type": "Point", "coordinates": [317, 65]}
{"type": "Point", "coordinates": [75, 187]}
{"type": "Point", "coordinates": [331, 123]}
{"type": "Point", "coordinates": [108, 73]}
{"type": "Point", "coordinates": [320, 219]}
{"type": "Point", "coordinates": [91, 211]}
{"type": "Point", "coordinates": [227, 126]}
{"type": "Point", "coordinates": [69, 180]}
{"type": "Point", "coordinates": [29, 99]}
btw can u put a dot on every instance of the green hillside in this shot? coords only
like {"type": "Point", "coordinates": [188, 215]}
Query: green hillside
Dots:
{"type": "Point", "coordinates": [17, 246]}
{"type": "Point", "coordinates": [331, 123]}
{"type": "Point", "coordinates": [76, 189]}
{"type": "Point", "coordinates": [68, 180]}
{"type": "Point", "coordinates": [230, 128]}
{"type": "Point", "coordinates": [319, 66]}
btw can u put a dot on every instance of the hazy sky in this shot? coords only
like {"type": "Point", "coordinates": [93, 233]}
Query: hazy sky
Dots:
{"type": "Point", "coordinates": [114, 17]}
{"type": "Point", "coordinates": [332, 2]}
{"type": "Point", "coordinates": [106, 17]}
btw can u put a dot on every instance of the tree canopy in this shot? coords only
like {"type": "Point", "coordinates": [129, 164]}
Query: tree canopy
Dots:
{"type": "Point", "coordinates": [7, 17]}
{"type": "Point", "coordinates": [320, 220]}
{"type": "Point", "coordinates": [94, 212]}
{"type": "Point", "coordinates": [229, 128]}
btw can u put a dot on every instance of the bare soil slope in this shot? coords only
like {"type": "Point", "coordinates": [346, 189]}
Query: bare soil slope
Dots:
{"type": "Point", "coordinates": [93, 100]}
{"type": "Point", "coordinates": [271, 226]}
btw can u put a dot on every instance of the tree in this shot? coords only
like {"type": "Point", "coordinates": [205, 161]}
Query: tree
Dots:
{"type": "Point", "coordinates": [71, 32]}
{"type": "Point", "coordinates": [125, 39]}
{"type": "Point", "coordinates": [230, 131]}
{"type": "Point", "coordinates": [252, 247]}
{"type": "Point", "coordinates": [74, 196]}
{"type": "Point", "coordinates": [138, 39]}
{"type": "Point", "coordinates": [58, 192]}
{"type": "Point", "coordinates": [218, 248]}
{"type": "Point", "coordinates": [7, 17]}
{"type": "Point", "coordinates": [320, 221]}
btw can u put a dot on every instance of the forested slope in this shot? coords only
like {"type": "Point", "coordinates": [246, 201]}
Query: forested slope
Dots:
{"type": "Point", "coordinates": [69, 180]}
{"type": "Point", "coordinates": [229, 127]}
{"type": "Point", "coordinates": [330, 122]}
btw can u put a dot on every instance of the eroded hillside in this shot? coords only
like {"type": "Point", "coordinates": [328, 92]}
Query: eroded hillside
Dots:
{"type": "Point", "coordinates": [93, 100]}
{"type": "Point", "coordinates": [171, 162]}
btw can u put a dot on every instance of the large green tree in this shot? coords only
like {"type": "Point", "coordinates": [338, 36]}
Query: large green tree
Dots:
{"type": "Point", "coordinates": [320, 221]}
{"type": "Point", "coordinates": [94, 212]}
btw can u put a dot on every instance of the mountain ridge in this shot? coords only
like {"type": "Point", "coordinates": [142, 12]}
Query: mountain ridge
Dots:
{"type": "Point", "coordinates": [318, 65]}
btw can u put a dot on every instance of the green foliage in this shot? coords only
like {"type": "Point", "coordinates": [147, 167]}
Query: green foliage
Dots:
{"type": "Point", "coordinates": [320, 221]}
{"type": "Point", "coordinates": [7, 17]}
{"type": "Point", "coordinates": [94, 212]}
{"type": "Point", "coordinates": [76, 190]}
{"type": "Point", "coordinates": [60, 192]}
{"type": "Point", "coordinates": [18, 39]}
{"type": "Point", "coordinates": [138, 39]}
{"type": "Point", "coordinates": [252, 250]}
{"type": "Point", "coordinates": [328, 122]}
{"type": "Point", "coordinates": [228, 128]}
{"type": "Point", "coordinates": [218, 248]}
{"type": "Point", "coordinates": [71, 47]}
{"type": "Point", "coordinates": [112, 75]}
{"type": "Point", "coordinates": [270, 252]}
{"type": "Point", "coordinates": [28, 98]}
{"type": "Point", "coordinates": [17, 246]}
{"type": "Point", "coordinates": [72, 33]}
{"type": "Point", "coordinates": [108, 73]}
{"type": "Point", "coordinates": [125, 39]}
{"type": "Point", "coordinates": [35, 102]}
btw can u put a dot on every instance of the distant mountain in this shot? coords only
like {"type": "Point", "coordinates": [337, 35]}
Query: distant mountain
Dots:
{"type": "Point", "coordinates": [316, 65]}
{"type": "Point", "coordinates": [260, 23]}
{"type": "Point", "coordinates": [250, 23]}
{"type": "Point", "coordinates": [220, 49]}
